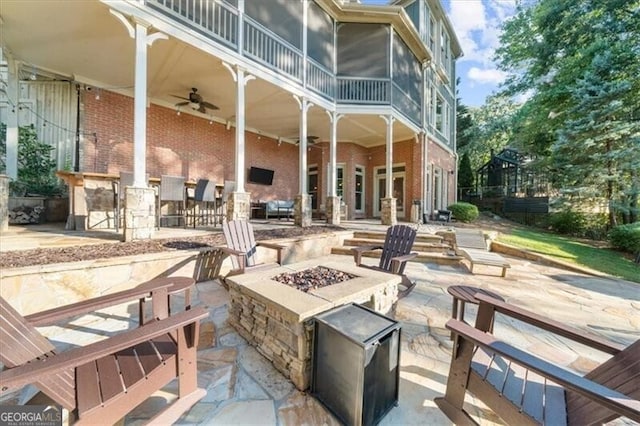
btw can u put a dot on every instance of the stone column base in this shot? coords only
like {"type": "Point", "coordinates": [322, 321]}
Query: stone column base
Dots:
{"type": "Point", "coordinates": [4, 202]}
{"type": "Point", "coordinates": [332, 209]}
{"type": "Point", "coordinates": [239, 206]}
{"type": "Point", "coordinates": [302, 210]}
{"type": "Point", "coordinates": [139, 213]}
{"type": "Point", "coordinates": [389, 214]}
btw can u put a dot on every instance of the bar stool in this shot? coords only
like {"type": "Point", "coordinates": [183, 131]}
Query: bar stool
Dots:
{"type": "Point", "coordinates": [172, 190]}
{"type": "Point", "coordinates": [204, 202]}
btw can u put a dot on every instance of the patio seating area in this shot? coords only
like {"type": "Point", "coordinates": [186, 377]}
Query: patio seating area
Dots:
{"type": "Point", "coordinates": [244, 388]}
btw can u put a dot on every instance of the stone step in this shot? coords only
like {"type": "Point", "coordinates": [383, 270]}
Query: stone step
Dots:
{"type": "Point", "coordinates": [438, 258]}
{"type": "Point", "coordinates": [378, 235]}
{"type": "Point", "coordinates": [430, 247]}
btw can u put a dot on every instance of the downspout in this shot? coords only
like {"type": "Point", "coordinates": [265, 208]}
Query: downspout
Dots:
{"type": "Point", "coordinates": [76, 161]}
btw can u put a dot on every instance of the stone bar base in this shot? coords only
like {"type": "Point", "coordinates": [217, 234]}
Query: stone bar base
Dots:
{"type": "Point", "coordinates": [239, 206]}
{"type": "Point", "coordinates": [139, 214]}
{"type": "Point", "coordinates": [4, 202]}
{"type": "Point", "coordinates": [389, 214]}
{"type": "Point", "coordinates": [333, 210]}
{"type": "Point", "coordinates": [302, 210]}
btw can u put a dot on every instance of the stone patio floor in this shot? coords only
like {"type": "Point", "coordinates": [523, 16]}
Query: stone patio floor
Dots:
{"type": "Point", "coordinates": [244, 389]}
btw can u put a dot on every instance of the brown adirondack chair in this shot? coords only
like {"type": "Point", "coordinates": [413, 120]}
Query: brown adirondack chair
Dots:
{"type": "Point", "coordinates": [242, 248]}
{"type": "Point", "coordinates": [524, 389]}
{"type": "Point", "coordinates": [396, 251]}
{"type": "Point", "coordinates": [101, 382]}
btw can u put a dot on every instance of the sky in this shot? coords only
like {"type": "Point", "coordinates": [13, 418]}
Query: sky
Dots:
{"type": "Point", "coordinates": [477, 26]}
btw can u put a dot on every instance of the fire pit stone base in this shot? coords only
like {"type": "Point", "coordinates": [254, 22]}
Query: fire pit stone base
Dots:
{"type": "Point", "coordinates": [276, 318]}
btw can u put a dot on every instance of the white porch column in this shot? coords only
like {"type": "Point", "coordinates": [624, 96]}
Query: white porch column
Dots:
{"type": "Point", "coordinates": [388, 214]}
{"type": "Point", "coordinates": [140, 203]}
{"type": "Point", "coordinates": [238, 204]}
{"type": "Point", "coordinates": [332, 205]}
{"type": "Point", "coordinates": [302, 205]}
{"type": "Point", "coordinates": [13, 95]}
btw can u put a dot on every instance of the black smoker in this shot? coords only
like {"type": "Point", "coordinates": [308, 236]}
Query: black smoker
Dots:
{"type": "Point", "coordinates": [356, 370]}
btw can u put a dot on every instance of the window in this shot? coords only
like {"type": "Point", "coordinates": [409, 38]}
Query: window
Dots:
{"type": "Point", "coordinates": [359, 179]}
{"type": "Point", "coordinates": [312, 186]}
{"type": "Point", "coordinates": [432, 36]}
{"type": "Point", "coordinates": [438, 114]}
{"type": "Point", "coordinates": [340, 182]}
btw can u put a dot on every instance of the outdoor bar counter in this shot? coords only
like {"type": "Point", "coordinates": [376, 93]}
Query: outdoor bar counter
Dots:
{"type": "Point", "coordinates": [91, 199]}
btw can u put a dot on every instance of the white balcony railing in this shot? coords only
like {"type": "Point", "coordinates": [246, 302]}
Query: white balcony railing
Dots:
{"type": "Point", "coordinates": [214, 19]}
{"type": "Point", "coordinates": [268, 48]}
{"type": "Point", "coordinates": [364, 91]}
{"type": "Point", "coordinates": [406, 104]}
{"type": "Point", "coordinates": [320, 79]}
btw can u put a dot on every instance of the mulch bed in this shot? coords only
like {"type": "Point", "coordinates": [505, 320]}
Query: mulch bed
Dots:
{"type": "Point", "coordinates": [44, 256]}
{"type": "Point", "coordinates": [313, 278]}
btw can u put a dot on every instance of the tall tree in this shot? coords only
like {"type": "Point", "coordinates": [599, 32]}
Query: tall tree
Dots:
{"type": "Point", "coordinates": [579, 62]}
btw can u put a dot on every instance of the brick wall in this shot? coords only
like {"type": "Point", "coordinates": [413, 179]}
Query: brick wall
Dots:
{"type": "Point", "coordinates": [183, 145]}
{"type": "Point", "coordinates": [193, 147]}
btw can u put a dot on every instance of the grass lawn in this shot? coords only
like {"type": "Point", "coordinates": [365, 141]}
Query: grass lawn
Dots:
{"type": "Point", "coordinates": [569, 250]}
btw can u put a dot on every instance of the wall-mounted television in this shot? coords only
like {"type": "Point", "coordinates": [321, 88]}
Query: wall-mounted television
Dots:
{"type": "Point", "coordinates": [260, 176]}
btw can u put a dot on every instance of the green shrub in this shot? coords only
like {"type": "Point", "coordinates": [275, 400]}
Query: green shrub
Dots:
{"type": "Point", "coordinates": [626, 237]}
{"type": "Point", "coordinates": [568, 222]}
{"type": "Point", "coordinates": [464, 212]}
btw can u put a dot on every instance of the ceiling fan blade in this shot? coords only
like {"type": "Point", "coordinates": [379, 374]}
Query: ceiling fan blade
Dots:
{"type": "Point", "coordinates": [209, 105]}
{"type": "Point", "coordinates": [180, 97]}
{"type": "Point", "coordinates": [183, 103]}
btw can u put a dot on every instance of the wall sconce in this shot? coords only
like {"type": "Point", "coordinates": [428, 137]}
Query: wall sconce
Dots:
{"type": "Point", "coordinates": [228, 124]}
{"type": "Point", "coordinates": [279, 141]}
{"type": "Point", "coordinates": [33, 75]}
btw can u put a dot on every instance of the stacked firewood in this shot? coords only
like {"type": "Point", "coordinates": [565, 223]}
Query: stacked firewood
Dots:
{"type": "Point", "coordinates": [25, 214]}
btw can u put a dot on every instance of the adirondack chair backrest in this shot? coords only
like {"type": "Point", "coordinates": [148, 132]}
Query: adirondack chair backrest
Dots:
{"type": "Point", "coordinates": [239, 236]}
{"type": "Point", "coordinates": [621, 373]}
{"type": "Point", "coordinates": [398, 242]}
{"type": "Point", "coordinates": [21, 343]}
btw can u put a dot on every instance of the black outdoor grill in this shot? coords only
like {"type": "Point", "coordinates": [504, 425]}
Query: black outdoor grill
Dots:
{"type": "Point", "coordinates": [356, 355]}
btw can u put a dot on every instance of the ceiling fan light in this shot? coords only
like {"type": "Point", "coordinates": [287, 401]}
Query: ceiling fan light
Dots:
{"type": "Point", "coordinates": [194, 105]}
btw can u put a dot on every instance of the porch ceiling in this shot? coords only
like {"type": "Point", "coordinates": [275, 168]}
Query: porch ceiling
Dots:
{"type": "Point", "coordinates": [82, 40]}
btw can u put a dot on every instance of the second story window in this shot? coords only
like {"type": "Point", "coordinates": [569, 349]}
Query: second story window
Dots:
{"type": "Point", "coordinates": [432, 36]}
{"type": "Point", "coordinates": [439, 114]}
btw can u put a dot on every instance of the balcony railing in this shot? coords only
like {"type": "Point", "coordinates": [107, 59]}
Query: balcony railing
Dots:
{"type": "Point", "coordinates": [320, 80]}
{"type": "Point", "coordinates": [266, 47]}
{"type": "Point", "coordinates": [407, 105]}
{"type": "Point", "coordinates": [218, 21]}
{"type": "Point", "coordinates": [364, 91]}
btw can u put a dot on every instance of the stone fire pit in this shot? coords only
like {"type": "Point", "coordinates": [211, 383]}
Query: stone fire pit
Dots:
{"type": "Point", "coordinates": [276, 317]}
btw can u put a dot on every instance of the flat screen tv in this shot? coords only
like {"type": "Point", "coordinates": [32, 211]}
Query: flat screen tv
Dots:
{"type": "Point", "coordinates": [260, 176]}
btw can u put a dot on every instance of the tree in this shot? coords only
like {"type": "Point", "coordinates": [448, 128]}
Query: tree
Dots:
{"type": "Point", "coordinates": [578, 61]}
{"type": "Point", "coordinates": [465, 172]}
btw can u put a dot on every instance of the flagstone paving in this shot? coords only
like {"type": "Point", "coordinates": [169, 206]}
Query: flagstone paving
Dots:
{"type": "Point", "coordinates": [244, 389]}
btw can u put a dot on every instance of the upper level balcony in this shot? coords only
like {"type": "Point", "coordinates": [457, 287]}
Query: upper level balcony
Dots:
{"type": "Point", "coordinates": [346, 63]}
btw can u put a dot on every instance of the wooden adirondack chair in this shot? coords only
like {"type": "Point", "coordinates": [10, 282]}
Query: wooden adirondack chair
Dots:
{"type": "Point", "coordinates": [396, 251]}
{"type": "Point", "coordinates": [242, 248]}
{"type": "Point", "coordinates": [101, 382]}
{"type": "Point", "coordinates": [526, 390]}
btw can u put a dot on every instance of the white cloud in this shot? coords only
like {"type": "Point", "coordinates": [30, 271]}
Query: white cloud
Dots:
{"type": "Point", "coordinates": [477, 24]}
{"type": "Point", "coordinates": [486, 75]}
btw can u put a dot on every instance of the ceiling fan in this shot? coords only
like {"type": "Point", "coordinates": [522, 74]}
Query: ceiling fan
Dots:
{"type": "Point", "coordinates": [195, 101]}
{"type": "Point", "coordinates": [310, 140]}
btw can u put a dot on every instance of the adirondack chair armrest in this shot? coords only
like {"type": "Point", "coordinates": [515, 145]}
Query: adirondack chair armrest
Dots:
{"type": "Point", "coordinates": [242, 259]}
{"type": "Point", "coordinates": [580, 336]}
{"type": "Point", "coordinates": [51, 316]}
{"type": "Point", "coordinates": [613, 400]}
{"type": "Point", "coordinates": [396, 262]}
{"type": "Point", "coordinates": [273, 246]}
{"type": "Point", "coordinates": [30, 372]}
{"type": "Point", "coordinates": [357, 252]}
